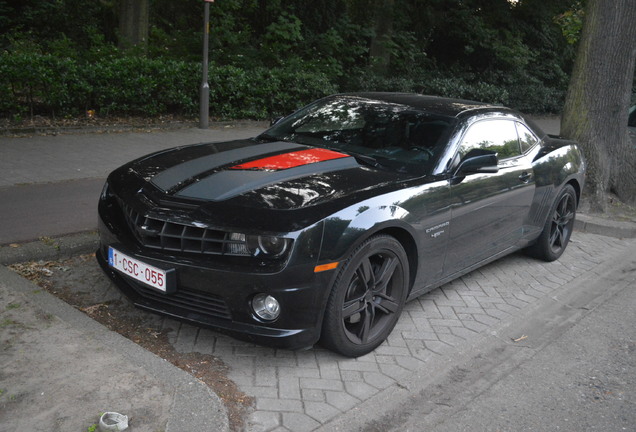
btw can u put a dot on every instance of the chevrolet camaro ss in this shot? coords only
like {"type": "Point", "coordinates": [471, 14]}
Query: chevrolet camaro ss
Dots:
{"type": "Point", "coordinates": [325, 225]}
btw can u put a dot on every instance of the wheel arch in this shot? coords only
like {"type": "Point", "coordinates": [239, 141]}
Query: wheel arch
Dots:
{"type": "Point", "coordinates": [407, 241]}
{"type": "Point", "coordinates": [577, 189]}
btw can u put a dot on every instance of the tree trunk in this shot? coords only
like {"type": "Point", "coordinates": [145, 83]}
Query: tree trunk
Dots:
{"type": "Point", "coordinates": [596, 107]}
{"type": "Point", "coordinates": [134, 17]}
{"type": "Point", "coordinates": [380, 53]}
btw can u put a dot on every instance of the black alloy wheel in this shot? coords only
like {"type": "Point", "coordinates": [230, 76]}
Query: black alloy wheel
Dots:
{"type": "Point", "coordinates": [367, 298]}
{"type": "Point", "coordinates": [558, 228]}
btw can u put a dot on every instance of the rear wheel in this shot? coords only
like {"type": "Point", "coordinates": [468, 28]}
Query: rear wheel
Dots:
{"type": "Point", "coordinates": [558, 228]}
{"type": "Point", "coordinates": [367, 297]}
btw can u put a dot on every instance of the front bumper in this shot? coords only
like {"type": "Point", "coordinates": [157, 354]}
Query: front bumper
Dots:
{"type": "Point", "coordinates": [219, 297]}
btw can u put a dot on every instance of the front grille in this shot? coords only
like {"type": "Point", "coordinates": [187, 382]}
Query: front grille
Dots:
{"type": "Point", "coordinates": [160, 234]}
{"type": "Point", "coordinates": [193, 301]}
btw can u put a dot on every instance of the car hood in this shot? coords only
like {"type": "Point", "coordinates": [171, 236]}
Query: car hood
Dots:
{"type": "Point", "coordinates": [277, 175]}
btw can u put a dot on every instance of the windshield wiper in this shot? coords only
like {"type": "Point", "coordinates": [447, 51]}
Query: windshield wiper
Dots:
{"type": "Point", "coordinates": [372, 161]}
{"type": "Point", "coordinates": [267, 137]}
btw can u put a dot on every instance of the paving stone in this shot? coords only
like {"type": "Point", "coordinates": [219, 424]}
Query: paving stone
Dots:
{"type": "Point", "coordinates": [421, 324]}
{"type": "Point", "coordinates": [445, 322]}
{"type": "Point", "coordinates": [260, 392]}
{"type": "Point", "coordinates": [299, 422]}
{"type": "Point", "coordinates": [329, 369]}
{"type": "Point", "coordinates": [289, 387]}
{"type": "Point", "coordinates": [272, 404]}
{"type": "Point", "coordinates": [393, 371]}
{"type": "Point", "coordinates": [300, 372]}
{"type": "Point", "coordinates": [377, 380]}
{"type": "Point", "coordinates": [497, 313]}
{"type": "Point", "coordinates": [351, 364]}
{"type": "Point", "coordinates": [428, 335]}
{"type": "Point", "coordinates": [469, 310]}
{"type": "Point", "coordinates": [265, 376]}
{"type": "Point", "coordinates": [485, 319]}
{"type": "Point", "coordinates": [360, 390]}
{"type": "Point", "coordinates": [463, 332]}
{"type": "Point", "coordinates": [448, 312]}
{"type": "Point", "coordinates": [392, 351]}
{"type": "Point", "coordinates": [451, 339]}
{"type": "Point", "coordinates": [320, 384]}
{"type": "Point", "coordinates": [355, 376]}
{"type": "Point", "coordinates": [243, 380]}
{"type": "Point", "coordinates": [206, 341]}
{"type": "Point", "coordinates": [263, 421]}
{"type": "Point", "coordinates": [475, 326]}
{"type": "Point", "coordinates": [395, 339]}
{"type": "Point", "coordinates": [437, 346]}
{"type": "Point", "coordinates": [321, 411]}
{"type": "Point", "coordinates": [341, 401]}
{"type": "Point", "coordinates": [313, 395]}
{"type": "Point", "coordinates": [442, 329]}
{"type": "Point", "coordinates": [409, 363]}
{"type": "Point", "coordinates": [424, 354]}
{"type": "Point", "coordinates": [526, 298]}
{"type": "Point", "coordinates": [512, 310]}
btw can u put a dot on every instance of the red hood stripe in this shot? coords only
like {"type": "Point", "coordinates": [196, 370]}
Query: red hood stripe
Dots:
{"type": "Point", "coordinates": [291, 160]}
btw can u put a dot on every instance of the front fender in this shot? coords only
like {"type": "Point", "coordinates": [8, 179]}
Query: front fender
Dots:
{"type": "Point", "coordinates": [349, 227]}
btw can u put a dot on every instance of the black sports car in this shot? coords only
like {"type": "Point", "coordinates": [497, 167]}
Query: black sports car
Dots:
{"type": "Point", "coordinates": [322, 227]}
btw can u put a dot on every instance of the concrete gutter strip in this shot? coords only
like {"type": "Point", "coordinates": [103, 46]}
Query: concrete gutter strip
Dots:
{"type": "Point", "coordinates": [50, 249]}
{"type": "Point", "coordinates": [605, 227]}
{"type": "Point", "coordinates": [194, 408]}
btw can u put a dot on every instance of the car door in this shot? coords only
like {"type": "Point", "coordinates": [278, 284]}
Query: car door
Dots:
{"type": "Point", "coordinates": [488, 210]}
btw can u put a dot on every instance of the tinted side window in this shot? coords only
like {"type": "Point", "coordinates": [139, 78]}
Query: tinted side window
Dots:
{"type": "Point", "coordinates": [499, 136]}
{"type": "Point", "coordinates": [526, 138]}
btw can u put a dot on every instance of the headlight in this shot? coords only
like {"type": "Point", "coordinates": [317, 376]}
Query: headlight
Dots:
{"type": "Point", "coordinates": [257, 246]}
{"type": "Point", "coordinates": [267, 245]}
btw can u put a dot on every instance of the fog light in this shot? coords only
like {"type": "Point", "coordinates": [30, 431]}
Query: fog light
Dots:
{"type": "Point", "coordinates": [266, 307]}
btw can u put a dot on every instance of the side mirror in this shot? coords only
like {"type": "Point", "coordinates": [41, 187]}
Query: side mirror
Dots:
{"type": "Point", "coordinates": [478, 162]}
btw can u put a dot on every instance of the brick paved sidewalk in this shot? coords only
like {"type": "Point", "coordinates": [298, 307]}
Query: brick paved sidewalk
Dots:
{"type": "Point", "coordinates": [316, 389]}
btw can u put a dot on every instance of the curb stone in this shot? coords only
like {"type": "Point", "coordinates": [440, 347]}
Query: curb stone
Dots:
{"type": "Point", "coordinates": [194, 406]}
{"type": "Point", "coordinates": [605, 227]}
{"type": "Point", "coordinates": [50, 249]}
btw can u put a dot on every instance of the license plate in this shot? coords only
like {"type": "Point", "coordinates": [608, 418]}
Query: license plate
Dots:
{"type": "Point", "coordinates": [139, 270]}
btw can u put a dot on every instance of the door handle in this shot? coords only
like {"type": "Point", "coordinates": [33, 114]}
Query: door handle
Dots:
{"type": "Point", "coordinates": [525, 177]}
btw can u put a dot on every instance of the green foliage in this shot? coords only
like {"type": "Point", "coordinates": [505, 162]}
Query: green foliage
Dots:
{"type": "Point", "coordinates": [59, 58]}
{"type": "Point", "coordinates": [571, 22]}
{"type": "Point", "coordinates": [44, 84]}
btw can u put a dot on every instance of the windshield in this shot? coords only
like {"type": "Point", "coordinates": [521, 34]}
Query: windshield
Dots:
{"type": "Point", "coordinates": [384, 134]}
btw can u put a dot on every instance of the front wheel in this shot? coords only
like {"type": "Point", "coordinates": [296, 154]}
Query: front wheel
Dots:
{"type": "Point", "coordinates": [557, 230]}
{"type": "Point", "coordinates": [367, 297]}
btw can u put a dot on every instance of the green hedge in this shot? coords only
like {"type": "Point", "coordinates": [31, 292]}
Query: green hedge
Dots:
{"type": "Point", "coordinates": [48, 85]}
{"type": "Point", "coordinates": [34, 83]}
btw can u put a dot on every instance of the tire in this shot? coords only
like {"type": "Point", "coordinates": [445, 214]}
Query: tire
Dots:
{"type": "Point", "coordinates": [367, 297]}
{"type": "Point", "coordinates": [558, 228]}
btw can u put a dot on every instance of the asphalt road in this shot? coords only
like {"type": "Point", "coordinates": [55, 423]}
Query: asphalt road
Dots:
{"type": "Point", "coordinates": [31, 212]}
{"type": "Point", "coordinates": [49, 185]}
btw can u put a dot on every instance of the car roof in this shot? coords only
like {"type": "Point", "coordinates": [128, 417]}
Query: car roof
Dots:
{"type": "Point", "coordinates": [434, 104]}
